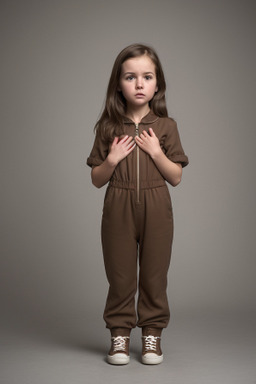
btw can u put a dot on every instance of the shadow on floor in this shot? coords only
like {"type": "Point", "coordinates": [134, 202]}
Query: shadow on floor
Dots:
{"type": "Point", "coordinates": [69, 333]}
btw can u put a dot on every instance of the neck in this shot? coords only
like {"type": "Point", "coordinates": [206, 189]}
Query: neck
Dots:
{"type": "Point", "coordinates": [136, 115]}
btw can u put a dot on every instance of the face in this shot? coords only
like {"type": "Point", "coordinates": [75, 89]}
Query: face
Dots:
{"type": "Point", "coordinates": [138, 81]}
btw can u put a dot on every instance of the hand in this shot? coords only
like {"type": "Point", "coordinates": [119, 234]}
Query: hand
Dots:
{"type": "Point", "coordinates": [120, 149]}
{"type": "Point", "coordinates": [149, 143]}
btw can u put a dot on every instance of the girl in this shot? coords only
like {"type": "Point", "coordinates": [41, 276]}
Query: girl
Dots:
{"type": "Point", "coordinates": [136, 149]}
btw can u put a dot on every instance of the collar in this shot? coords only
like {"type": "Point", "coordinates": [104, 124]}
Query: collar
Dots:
{"type": "Point", "coordinates": [147, 119]}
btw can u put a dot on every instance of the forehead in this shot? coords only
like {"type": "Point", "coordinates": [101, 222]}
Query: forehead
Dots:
{"type": "Point", "coordinates": [139, 64]}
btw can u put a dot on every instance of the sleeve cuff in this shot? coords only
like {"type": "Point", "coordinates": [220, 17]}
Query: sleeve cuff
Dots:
{"type": "Point", "coordinates": [182, 159]}
{"type": "Point", "coordinates": [93, 161]}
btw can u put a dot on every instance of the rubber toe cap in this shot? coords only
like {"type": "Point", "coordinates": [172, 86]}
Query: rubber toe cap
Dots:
{"type": "Point", "coordinates": [118, 359]}
{"type": "Point", "coordinates": [152, 358]}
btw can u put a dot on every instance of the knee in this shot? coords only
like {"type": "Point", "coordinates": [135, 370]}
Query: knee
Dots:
{"type": "Point", "coordinates": [123, 286]}
{"type": "Point", "coordinates": [153, 286]}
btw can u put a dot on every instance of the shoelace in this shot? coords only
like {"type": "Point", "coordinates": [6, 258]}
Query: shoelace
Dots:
{"type": "Point", "coordinates": [119, 343]}
{"type": "Point", "coordinates": [150, 342]}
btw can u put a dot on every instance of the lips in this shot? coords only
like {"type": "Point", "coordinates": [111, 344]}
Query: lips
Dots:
{"type": "Point", "coordinates": [140, 94]}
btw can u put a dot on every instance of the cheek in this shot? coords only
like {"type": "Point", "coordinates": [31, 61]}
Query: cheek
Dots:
{"type": "Point", "coordinates": [126, 89]}
{"type": "Point", "coordinates": [153, 88]}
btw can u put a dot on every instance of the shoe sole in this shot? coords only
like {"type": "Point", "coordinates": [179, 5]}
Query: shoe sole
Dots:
{"type": "Point", "coordinates": [118, 359]}
{"type": "Point", "coordinates": [152, 359]}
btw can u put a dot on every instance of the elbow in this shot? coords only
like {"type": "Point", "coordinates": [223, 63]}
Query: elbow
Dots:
{"type": "Point", "coordinates": [96, 184]}
{"type": "Point", "coordinates": [177, 179]}
{"type": "Point", "coordinates": [95, 180]}
{"type": "Point", "coordinates": [175, 182]}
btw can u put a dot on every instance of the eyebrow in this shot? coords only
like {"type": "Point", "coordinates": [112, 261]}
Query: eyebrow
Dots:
{"type": "Point", "coordinates": [144, 73]}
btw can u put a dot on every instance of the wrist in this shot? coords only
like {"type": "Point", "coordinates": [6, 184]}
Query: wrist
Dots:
{"type": "Point", "coordinates": [111, 162]}
{"type": "Point", "coordinates": [157, 154]}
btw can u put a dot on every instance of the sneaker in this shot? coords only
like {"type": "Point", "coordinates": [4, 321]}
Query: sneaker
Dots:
{"type": "Point", "coordinates": [119, 352]}
{"type": "Point", "coordinates": [151, 350]}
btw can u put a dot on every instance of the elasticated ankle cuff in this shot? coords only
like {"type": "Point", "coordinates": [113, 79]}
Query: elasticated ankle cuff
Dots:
{"type": "Point", "coordinates": [147, 331]}
{"type": "Point", "coordinates": [120, 332]}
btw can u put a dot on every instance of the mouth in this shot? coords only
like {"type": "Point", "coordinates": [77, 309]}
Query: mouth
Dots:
{"type": "Point", "coordinates": [139, 94]}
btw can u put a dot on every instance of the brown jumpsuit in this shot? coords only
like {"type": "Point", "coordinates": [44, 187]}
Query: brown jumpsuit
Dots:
{"type": "Point", "coordinates": [137, 220]}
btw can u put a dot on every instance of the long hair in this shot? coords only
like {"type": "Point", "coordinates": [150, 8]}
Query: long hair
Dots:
{"type": "Point", "coordinates": [110, 122]}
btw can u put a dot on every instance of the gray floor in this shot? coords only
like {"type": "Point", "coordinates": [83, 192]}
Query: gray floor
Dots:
{"type": "Point", "coordinates": [198, 348]}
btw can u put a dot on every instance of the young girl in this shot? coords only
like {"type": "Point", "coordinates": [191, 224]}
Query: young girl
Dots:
{"type": "Point", "coordinates": [136, 149]}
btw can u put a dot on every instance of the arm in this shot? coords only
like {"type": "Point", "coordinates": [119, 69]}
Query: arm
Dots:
{"type": "Point", "coordinates": [101, 174]}
{"type": "Point", "coordinates": [171, 171]}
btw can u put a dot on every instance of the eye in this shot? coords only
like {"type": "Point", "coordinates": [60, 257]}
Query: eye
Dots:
{"type": "Point", "coordinates": [130, 78]}
{"type": "Point", "coordinates": [148, 77]}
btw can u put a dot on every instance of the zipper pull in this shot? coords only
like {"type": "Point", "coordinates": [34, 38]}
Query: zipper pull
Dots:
{"type": "Point", "coordinates": [137, 129]}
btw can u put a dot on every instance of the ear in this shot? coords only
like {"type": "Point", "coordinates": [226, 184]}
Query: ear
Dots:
{"type": "Point", "coordinates": [156, 90]}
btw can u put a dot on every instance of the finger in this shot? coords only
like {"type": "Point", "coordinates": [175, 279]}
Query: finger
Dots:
{"type": "Point", "coordinates": [131, 144]}
{"type": "Point", "coordinates": [151, 131]}
{"type": "Point", "coordinates": [127, 143]}
{"type": "Point", "coordinates": [129, 139]}
{"type": "Point", "coordinates": [115, 141]}
{"type": "Point", "coordinates": [123, 139]}
{"type": "Point", "coordinates": [138, 139]}
{"type": "Point", "coordinates": [132, 148]}
{"type": "Point", "coordinates": [145, 133]}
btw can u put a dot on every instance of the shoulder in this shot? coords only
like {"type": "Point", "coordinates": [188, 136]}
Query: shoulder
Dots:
{"type": "Point", "coordinates": [166, 125]}
{"type": "Point", "coordinates": [170, 121]}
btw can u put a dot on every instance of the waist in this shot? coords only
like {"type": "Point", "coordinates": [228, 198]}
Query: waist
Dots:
{"type": "Point", "coordinates": [144, 184]}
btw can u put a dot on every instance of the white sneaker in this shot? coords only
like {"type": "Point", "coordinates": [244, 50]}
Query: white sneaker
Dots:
{"type": "Point", "coordinates": [151, 350]}
{"type": "Point", "coordinates": [119, 351]}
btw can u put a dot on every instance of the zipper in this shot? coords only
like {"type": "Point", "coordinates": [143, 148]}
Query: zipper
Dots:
{"type": "Point", "coordinates": [129, 121]}
{"type": "Point", "coordinates": [137, 167]}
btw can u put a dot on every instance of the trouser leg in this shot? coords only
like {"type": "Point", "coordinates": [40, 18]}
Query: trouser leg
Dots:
{"type": "Point", "coordinates": [120, 258]}
{"type": "Point", "coordinates": [155, 254]}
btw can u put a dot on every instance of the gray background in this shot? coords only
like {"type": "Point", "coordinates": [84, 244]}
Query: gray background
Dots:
{"type": "Point", "coordinates": [56, 58]}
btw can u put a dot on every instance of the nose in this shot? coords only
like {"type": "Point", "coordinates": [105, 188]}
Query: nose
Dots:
{"type": "Point", "coordinates": [139, 83]}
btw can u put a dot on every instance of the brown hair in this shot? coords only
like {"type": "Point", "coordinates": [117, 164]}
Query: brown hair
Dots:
{"type": "Point", "coordinates": [111, 120]}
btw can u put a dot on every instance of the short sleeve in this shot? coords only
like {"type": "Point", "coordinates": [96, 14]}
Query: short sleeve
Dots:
{"type": "Point", "coordinates": [173, 147]}
{"type": "Point", "coordinates": [99, 152]}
